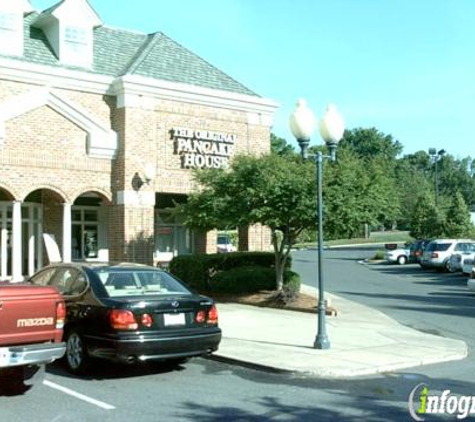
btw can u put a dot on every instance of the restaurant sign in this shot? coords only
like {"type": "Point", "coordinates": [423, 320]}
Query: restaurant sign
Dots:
{"type": "Point", "coordinates": [202, 148]}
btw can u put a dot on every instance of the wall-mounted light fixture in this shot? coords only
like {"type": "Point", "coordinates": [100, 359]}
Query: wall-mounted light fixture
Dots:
{"type": "Point", "coordinates": [146, 176]}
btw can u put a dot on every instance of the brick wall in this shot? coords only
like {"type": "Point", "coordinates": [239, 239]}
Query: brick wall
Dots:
{"type": "Point", "coordinates": [45, 150]}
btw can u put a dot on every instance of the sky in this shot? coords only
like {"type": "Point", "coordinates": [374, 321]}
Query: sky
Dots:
{"type": "Point", "coordinates": [404, 67]}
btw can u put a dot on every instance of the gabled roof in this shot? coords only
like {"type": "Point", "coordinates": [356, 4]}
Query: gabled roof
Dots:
{"type": "Point", "coordinates": [120, 52]}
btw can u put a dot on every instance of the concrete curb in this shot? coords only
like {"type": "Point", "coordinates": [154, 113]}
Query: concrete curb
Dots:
{"type": "Point", "coordinates": [364, 341]}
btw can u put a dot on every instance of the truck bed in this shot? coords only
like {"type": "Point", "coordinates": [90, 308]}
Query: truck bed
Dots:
{"type": "Point", "coordinates": [28, 314]}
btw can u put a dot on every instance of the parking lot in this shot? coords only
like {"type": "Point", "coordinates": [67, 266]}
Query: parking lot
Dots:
{"type": "Point", "coordinates": [207, 390]}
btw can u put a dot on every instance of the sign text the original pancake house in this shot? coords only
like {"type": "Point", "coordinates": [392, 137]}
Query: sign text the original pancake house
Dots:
{"type": "Point", "coordinates": [202, 148]}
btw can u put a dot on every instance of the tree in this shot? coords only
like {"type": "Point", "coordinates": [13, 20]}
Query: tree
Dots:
{"type": "Point", "coordinates": [457, 222]}
{"type": "Point", "coordinates": [357, 192]}
{"type": "Point", "coordinates": [412, 182]}
{"type": "Point", "coordinates": [279, 146]}
{"type": "Point", "coordinates": [426, 219]}
{"type": "Point", "coordinates": [271, 190]}
{"type": "Point", "coordinates": [370, 143]}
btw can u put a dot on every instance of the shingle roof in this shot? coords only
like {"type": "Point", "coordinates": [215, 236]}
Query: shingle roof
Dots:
{"type": "Point", "coordinates": [120, 52]}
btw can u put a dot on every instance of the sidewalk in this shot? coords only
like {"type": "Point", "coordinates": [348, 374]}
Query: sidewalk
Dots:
{"type": "Point", "coordinates": [363, 341]}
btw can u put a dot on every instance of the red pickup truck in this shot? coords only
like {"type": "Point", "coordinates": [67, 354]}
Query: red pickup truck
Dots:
{"type": "Point", "coordinates": [31, 328]}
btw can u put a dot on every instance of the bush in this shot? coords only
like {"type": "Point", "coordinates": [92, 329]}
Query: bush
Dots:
{"type": "Point", "coordinates": [199, 270]}
{"type": "Point", "coordinates": [244, 280]}
{"type": "Point", "coordinates": [292, 281]}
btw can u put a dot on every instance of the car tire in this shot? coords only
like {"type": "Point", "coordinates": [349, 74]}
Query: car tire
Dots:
{"type": "Point", "coordinates": [402, 260]}
{"type": "Point", "coordinates": [448, 267]}
{"type": "Point", "coordinates": [76, 358]}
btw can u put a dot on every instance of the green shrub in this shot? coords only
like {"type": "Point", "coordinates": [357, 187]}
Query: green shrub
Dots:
{"type": "Point", "coordinates": [292, 281]}
{"type": "Point", "coordinates": [199, 270]}
{"type": "Point", "coordinates": [244, 280]}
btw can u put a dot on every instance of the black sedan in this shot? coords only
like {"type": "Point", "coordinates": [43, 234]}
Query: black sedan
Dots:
{"type": "Point", "coordinates": [130, 313]}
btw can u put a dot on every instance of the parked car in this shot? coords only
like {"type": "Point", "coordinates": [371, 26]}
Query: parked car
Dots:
{"type": "Point", "coordinates": [462, 261]}
{"type": "Point", "coordinates": [130, 313]}
{"type": "Point", "coordinates": [467, 265]}
{"type": "Point", "coordinates": [438, 252]}
{"type": "Point", "coordinates": [224, 243]}
{"type": "Point", "coordinates": [398, 255]}
{"type": "Point", "coordinates": [471, 280]}
{"type": "Point", "coordinates": [417, 248]}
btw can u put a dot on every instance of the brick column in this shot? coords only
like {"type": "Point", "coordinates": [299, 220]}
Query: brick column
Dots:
{"type": "Point", "coordinates": [132, 233]}
{"type": "Point", "coordinates": [205, 242]}
{"type": "Point", "coordinates": [255, 238]}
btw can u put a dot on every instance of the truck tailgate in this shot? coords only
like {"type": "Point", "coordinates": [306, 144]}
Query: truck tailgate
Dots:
{"type": "Point", "coordinates": [28, 314]}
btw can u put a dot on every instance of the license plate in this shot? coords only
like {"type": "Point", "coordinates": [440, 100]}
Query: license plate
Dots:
{"type": "Point", "coordinates": [4, 356]}
{"type": "Point", "coordinates": [174, 319]}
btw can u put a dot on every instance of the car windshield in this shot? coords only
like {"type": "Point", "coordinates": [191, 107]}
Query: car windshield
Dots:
{"type": "Point", "coordinates": [222, 240]}
{"type": "Point", "coordinates": [136, 282]}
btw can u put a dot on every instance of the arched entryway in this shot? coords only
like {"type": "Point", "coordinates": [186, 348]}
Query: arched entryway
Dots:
{"type": "Point", "coordinates": [89, 227]}
{"type": "Point", "coordinates": [42, 212]}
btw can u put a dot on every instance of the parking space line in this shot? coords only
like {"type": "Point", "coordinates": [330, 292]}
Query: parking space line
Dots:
{"type": "Point", "coordinates": [78, 395]}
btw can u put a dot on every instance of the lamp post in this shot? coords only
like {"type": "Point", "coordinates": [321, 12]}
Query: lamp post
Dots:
{"type": "Point", "coordinates": [302, 123]}
{"type": "Point", "coordinates": [436, 156]}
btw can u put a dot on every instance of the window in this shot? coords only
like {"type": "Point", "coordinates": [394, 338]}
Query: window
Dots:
{"type": "Point", "coordinates": [43, 278]}
{"type": "Point", "coordinates": [139, 282]}
{"type": "Point", "coordinates": [84, 232]}
{"type": "Point", "coordinates": [70, 281]}
{"type": "Point", "coordinates": [76, 39]}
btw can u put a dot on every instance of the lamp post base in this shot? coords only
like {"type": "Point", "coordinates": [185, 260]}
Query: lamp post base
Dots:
{"type": "Point", "coordinates": [321, 342]}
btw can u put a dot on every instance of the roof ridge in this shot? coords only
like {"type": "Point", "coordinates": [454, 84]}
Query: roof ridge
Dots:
{"type": "Point", "coordinates": [142, 53]}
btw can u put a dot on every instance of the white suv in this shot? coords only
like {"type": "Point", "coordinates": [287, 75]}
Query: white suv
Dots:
{"type": "Point", "coordinates": [438, 252]}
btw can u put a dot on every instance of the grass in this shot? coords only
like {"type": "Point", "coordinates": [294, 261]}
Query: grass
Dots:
{"type": "Point", "coordinates": [375, 237]}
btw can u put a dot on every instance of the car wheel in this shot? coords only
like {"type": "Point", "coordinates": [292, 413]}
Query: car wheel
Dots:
{"type": "Point", "coordinates": [76, 358]}
{"type": "Point", "coordinates": [448, 267]}
{"type": "Point", "coordinates": [401, 260]}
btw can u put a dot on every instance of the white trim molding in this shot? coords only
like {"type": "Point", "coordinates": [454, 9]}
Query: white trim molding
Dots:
{"type": "Point", "coordinates": [101, 140]}
{"type": "Point", "coordinates": [138, 91]}
{"type": "Point", "coordinates": [136, 199]}
{"type": "Point", "coordinates": [56, 77]}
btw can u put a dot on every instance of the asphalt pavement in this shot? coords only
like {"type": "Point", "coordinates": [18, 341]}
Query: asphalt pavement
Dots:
{"type": "Point", "coordinates": [364, 341]}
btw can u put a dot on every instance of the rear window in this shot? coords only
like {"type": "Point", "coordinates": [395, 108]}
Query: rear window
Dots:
{"type": "Point", "coordinates": [438, 247]}
{"type": "Point", "coordinates": [139, 282]}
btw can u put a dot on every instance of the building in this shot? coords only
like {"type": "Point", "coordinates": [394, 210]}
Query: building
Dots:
{"type": "Point", "coordinates": [99, 131]}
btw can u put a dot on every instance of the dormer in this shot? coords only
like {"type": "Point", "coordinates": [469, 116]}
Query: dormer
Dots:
{"type": "Point", "coordinates": [11, 26]}
{"type": "Point", "coordinates": [69, 27]}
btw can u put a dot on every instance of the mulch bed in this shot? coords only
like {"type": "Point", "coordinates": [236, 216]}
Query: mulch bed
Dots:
{"type": "Point", "coordinates": [268, 299]}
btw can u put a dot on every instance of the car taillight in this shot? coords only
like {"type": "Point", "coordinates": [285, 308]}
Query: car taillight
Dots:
{"type": "Point", "coordinates": [213, 315]}
{"type": "Point", "coordinates": [434, 255]}
{"type": "Point", "coordinates": [60, 315]}
{"type": "Point", "coordinates": [417, 253]}
{"type": "Point", "coordinates": [146, 320]}
{"type": "Point", "coordinates": [200, 317]}
{"type": "Point", "coordinates": [121, 319]}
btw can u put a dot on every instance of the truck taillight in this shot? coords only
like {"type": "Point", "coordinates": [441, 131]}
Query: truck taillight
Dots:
{"type": "Point", "coordinates": [60, 315]}
{"type": "Point", "coordinates": [434, 255]}
{"type": "Point", "coordinates": [213, 315]}
{"type": "Point", "coordinates": [121, 319]}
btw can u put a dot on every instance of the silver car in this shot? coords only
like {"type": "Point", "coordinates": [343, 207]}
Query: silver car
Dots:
{"type": "Point", "coordinates": [438, 252]}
